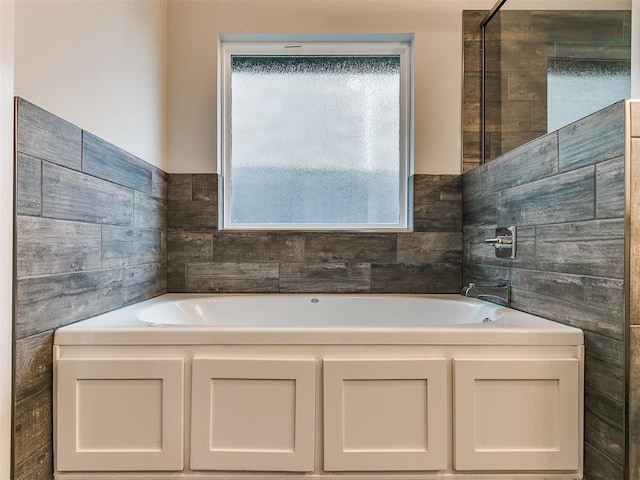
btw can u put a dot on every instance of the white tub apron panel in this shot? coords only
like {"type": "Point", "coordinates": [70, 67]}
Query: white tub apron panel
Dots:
{"type": "Point", "coordinates": [119, 414]}
{"type": "Point", "coordinates": [516, 414]}
{"type": "Point", "coordinates": [253, 414]}
{"type": "Point", "coordinates": [385, 414]}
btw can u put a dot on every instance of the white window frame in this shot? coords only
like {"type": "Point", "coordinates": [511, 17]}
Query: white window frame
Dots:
{"type": "Point", "coordinates": [353, 45]}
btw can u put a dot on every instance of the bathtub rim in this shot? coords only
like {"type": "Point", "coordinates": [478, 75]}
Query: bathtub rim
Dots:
{"type": "Point", "coordinates": [121, 327]}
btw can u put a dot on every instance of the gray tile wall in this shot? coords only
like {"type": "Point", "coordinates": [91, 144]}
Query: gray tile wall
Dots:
{"type": "Point", "coordinates": [472, 89]}
{"type": "Point", "coordinates": [91, 233]}
{"type": "Point", "coordinates": [566, 194]}
{"type": "Point", "coordinates": [203, 259]}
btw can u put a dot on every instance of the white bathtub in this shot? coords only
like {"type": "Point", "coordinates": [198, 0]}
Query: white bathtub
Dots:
{"type": "Point", "coordinates": [306, 318]}
{"type": "Point", "coordinates": [243, 387]}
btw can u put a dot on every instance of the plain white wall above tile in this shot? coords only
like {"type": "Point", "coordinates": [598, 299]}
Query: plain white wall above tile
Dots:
{"type": "Point", "coordinates": [100, 65]}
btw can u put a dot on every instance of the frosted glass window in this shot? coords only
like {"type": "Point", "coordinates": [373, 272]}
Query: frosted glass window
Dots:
{"type": "Point", "coordinates": [316, 142]}
{"type": "Point", "coordinates": [577, 88]}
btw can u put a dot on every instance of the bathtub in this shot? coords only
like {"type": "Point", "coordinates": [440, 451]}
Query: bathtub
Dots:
{"type": "Point", "coordinates": [318, 386]}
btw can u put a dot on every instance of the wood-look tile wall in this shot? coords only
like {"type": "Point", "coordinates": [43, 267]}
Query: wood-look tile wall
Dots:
{"type": "Point", "coordinates": [90, 237]}
{"type": "Point", "coordinates": [91, 242]}
{"type": "Point", "coordinates": [566, 194]}
{"type": "Point", "coordinates": [203, 259]}
{"type": "Point", "coordinates": [472, 89]}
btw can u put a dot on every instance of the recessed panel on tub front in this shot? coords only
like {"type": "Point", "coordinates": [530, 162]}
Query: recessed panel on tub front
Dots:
{"type": "Point", "coordinates": [119, 414]}
{"type": "Point", "coordinates": [253, 414]}
{"type": "Point", "coordinates": [516, 414]}
{"type": "Point", "coordinates": [385, 414]}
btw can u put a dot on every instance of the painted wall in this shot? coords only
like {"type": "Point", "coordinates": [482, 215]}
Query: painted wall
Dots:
{"type": "Point", "coordinates": [194, 27]}
{"type": "Point", "coordinates": [100, 64]}
{"type": "Point", "coordinates": [6, 232]}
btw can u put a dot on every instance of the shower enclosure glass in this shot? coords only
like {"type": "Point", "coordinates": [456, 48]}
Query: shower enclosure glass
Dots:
{"type": "Point", "coordinates": [547, 64]}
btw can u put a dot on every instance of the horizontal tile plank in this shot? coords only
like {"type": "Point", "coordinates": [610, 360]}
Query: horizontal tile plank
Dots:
{"type": "Point", "coordinates": [486, 275]}
{"type": "Point", "coordinates": [142, 282]}
{"type": "Point", "coordinates": [437, 203]}
{"type": "Point", "coordinates": [527, 163]}
{"type": "Point", "coordinates": [325, 277]}
{"type": "Point", "coordinates": [192, 215]}
{"type": "Point", "coordinates": [45, 246]}
{"type": "Point", "coordinates": [177, 277]}
{"type": "Point", "coordinates": [33, 420]}
{"type": "Point", "coordinates": [606, 27]}
{"type": "Point", "coordinates": [45, 136]}
{"type": "Point", "coordinates": [471, 24]}
{"type": "Point", "coordinates": [122, 246]}
{"type": "Point", "coordinates": [29, 186]}
{"type": "Point", "coordinates": [149, 212]}
{"type": "Point", "coordinates": [604, 365]}
{"type": "Point", "coordinates": [472, 184]}
{"type": "Point", "coordinates": [450, 188]}
{"type": "Point", "coordinates": [184, 247]}
{"type": "Point", "coordinates": [429, 247]}
{"type": "Point", "coordinates": [590, 303]}
{"type": "Point", "coordinates": [349, 247]}
{"type": "Point", "coordinates": [610, 189]}
{"type": "Point", "coordinates": [568, 197]}
{"type": "Point", "coordinates": [480, 210]}
{"type": "Point", "coordinates": [39, 465]}
{"type": "Point", "coordinates": [598, 137]}
{"type": "Point", "coordinates": [159, 184]}
{"type": "Point", "coordinates": [180, 187]}
{"type": "Point", "coordinates": [601, 467]}
{"type": "Point", "coordinates": [426, 188]}
{"type": "Point", "coordinates": [604, 425]}
{"type": "Point", "coordinates": [104, 160]}
{"type": "Point", "coordinates": [415, 278]}
{"type": "Point", "coordinates": [437, 217]}
{"type": "Point", "coordinates": [205, 187]}
{"type": "Point", "coordinates": [258, 247]}
{"type": "Point", "coordinates": [232, 277]}
{"type": "Point", "coordinates": [586, 248]}
{"type": "Point", "coordinates": [46, 303]}
{"type": "Point", "coordinates": [34, 365]}
{"type": "Point", "coordinates": [72, 195]}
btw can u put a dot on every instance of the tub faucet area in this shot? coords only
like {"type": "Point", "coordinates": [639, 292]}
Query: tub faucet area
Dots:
{"type": "Point", "coordinates": [500, 294]}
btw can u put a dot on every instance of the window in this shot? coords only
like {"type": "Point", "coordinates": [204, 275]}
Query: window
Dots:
{"type": "Point", "coordinates": [315, 136]}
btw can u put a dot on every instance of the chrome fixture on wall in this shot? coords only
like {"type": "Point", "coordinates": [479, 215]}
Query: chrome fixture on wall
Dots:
{"type": "Point", "coordinates": [504, 242]}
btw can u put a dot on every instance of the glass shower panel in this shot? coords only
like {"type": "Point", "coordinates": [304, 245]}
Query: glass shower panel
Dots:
{"type": "Point", "coordinates": [544, 69]}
